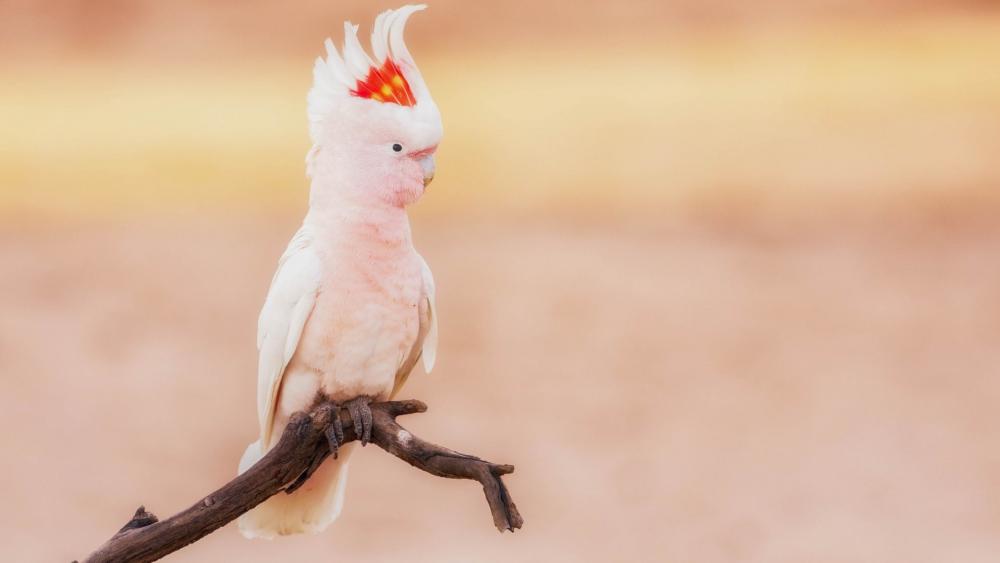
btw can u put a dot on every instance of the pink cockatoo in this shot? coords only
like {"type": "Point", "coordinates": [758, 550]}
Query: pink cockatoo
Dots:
{"type": "Point", "coordinates": [350, 310]}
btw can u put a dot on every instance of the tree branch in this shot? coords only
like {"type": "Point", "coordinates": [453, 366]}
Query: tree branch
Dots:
{"type": "Point", "coordinates": [303, 445]}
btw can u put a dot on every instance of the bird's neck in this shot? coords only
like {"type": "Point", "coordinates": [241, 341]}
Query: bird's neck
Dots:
{"type": "Point", "coordinates": [374, 228]}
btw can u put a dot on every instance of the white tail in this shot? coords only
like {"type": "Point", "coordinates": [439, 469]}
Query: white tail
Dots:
{"type": "Point", "coordinates": [309, 509]}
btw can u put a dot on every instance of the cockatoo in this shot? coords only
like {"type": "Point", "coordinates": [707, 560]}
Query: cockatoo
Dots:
{"type": "Point", "coordinates": [351, 309]}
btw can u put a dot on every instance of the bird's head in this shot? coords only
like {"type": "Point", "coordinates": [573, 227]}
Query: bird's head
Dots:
{"type": "Point", "coordinates": [374, 126]}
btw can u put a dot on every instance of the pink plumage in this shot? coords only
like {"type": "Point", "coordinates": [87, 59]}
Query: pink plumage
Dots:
{"type": "Point", "coordinates": [350, 310]}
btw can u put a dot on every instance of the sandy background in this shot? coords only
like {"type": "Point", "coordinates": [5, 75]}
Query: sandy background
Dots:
{"type": "Point", "coordinates": [723, 284]}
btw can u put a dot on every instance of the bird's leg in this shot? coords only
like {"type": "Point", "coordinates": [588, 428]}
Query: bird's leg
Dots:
{"type": "Point", "coordinates": [334, 432]}
{"type": "Point", "coordinates": [361, 414]}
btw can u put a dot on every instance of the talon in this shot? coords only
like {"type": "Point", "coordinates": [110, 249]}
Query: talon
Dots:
{"type": "Point", "coordinates": [366, 422]}
{"type": "Point", "coordinates": [352, 407]}
{"type": "Point", "coordinates": [361, 415]}
{"type": "Point", "coordinates": [335, 435]}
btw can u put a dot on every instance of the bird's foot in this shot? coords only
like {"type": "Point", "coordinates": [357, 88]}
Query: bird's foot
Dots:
{"type": "Point", "coordinates": [335, 431]}
{"type": "Point", "coordinates": [335, 436]}
{"type": "Point", "coordinates": [361, 414]}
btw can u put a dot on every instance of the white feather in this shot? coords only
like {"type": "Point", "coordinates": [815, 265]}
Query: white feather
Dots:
{"type": "Point", "coordinates": [429, 349]}
{"type": "Point", "coordinates": [289, 303]}
{"type": "Point", "coordinates": [321, 97]}
{"type": "Point", "coordinates": [337, 65]}
{"type": "Point", "coordinates": [380, 37]}
{"type": "Point", "coordinates": [358, 61]}
{"type": "Point", "coordinates": [397, 24]}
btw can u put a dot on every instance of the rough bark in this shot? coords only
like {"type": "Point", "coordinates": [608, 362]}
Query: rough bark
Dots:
{"type": "Point", "coordinates": [303, 445]}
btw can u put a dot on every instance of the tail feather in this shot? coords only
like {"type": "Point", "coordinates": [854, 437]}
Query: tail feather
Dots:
{"type": "Point", "coordinates": [311, 508]}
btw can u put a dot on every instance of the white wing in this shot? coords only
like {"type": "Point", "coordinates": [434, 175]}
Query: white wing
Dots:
{"type": "Point", "coordinates": [289, 303]}
{"type": "Point", "coordinates": [429, 350]}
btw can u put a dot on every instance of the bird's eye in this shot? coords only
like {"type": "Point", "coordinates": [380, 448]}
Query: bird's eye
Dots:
{"type": "Point", "coordinates": [397, 147]}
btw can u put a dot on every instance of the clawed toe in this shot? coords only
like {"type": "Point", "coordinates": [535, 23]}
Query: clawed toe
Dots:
{"type": "Point", "coordinates": [361, 414]}
{"type": "Point", "coordinates": [335, 431]}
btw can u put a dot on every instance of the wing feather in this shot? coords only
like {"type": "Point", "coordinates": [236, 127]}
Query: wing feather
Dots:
{"type": "Point", "coordinates": [289, 303]}
{"type": "Point", "coordinates": [429, 350]}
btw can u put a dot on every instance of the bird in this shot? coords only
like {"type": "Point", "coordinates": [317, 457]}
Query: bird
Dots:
{"type": "Point", "coordinates": [351, 308]}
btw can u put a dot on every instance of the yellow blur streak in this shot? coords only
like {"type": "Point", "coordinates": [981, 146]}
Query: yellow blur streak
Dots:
{"type": "Point", "coordinates": [778, 118]}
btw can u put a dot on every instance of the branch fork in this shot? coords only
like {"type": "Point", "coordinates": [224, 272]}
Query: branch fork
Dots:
{"type": "Point", "coordinates": [303, 446]}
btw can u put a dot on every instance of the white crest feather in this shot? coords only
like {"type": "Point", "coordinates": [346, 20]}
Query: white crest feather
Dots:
{"type": "Point", "coordinates": [337, 65]}
{"type": "Point", "coordinates": [335, 77]}
{"type": "Point", "coordinates": [380, 36]}
{"type": "Point", "coordinates": [397, 22]}
{"type": "Point", "coordinates": [358, 61]}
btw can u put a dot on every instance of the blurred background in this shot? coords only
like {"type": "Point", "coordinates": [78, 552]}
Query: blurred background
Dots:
{"type": "Point", "coordinates": [722, 279]}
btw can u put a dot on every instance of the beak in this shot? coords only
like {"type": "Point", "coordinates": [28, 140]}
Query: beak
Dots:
{"type": "Point", "coordinates": [427, 164]}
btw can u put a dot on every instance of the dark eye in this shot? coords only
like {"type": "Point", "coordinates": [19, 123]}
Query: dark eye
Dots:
{"type": "Point", "coordinates": [397, 147]}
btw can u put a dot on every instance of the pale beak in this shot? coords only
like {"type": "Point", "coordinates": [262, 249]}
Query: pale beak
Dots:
{"type": "Point", "coordinates": [427, 164]}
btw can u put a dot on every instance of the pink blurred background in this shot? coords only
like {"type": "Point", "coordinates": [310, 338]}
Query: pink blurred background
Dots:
{"type": "Point", "coordinates": [721, 279]}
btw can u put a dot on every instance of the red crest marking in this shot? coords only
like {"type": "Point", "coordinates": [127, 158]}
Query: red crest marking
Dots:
{"type": "Point", "coordinates": [386, 85]}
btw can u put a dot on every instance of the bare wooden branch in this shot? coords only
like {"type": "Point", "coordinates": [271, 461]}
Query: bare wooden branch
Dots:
{"type": "Point", "coordinates": [303, 445]}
